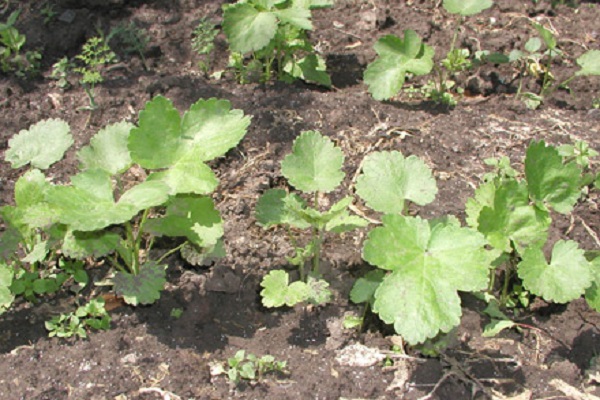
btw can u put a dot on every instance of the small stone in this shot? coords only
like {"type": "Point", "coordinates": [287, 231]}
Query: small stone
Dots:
{"type": "Point", "coordinates": [67, 17]}
{"type": "Point", "coordinates": [129, 359]}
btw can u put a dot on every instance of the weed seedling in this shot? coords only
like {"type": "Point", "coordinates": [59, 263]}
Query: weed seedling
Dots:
{"type": "Point", "coordinates": [94, 56]}
{"type": "Point", "coordinates": [48, 12]}
{"type": "Point", "coordinates": [92, 315]}
{"type": "Point", "coordinates": [203, 43]}
{"type": "Point", "coordinates": [533, 62]}
{"type": "Point", "coordinates": [248, 367]}
{"type": "Point", "coordinates": [457, 59]}
{"type": "Point", "coordinates": [11, 44]}
{"type": "Point", "coordinates": [60, 72]}
{"type": "Point", "coordinates": [313, 167]}
{"type": "Point", "coordinates": [131, 38]}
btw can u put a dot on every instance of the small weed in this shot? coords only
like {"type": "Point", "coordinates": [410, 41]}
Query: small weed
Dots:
{"type": "Point", "coordinates": [11, 44]}
{"type": "Point", "coordinates": [248, 367]}
{"type": "Point", "coordinates": [131, 38]}
{"type": "Point", "coordinates": [203, 42]}
{"type": "Point", "coordinates": [92, 315]}
{"type": "Point", "coordinates": [94, 56]}
{"type": "Point", "coordinates": [176, 313]}
{"type": "Point", "coordinates": [48, 12]}
{"type": "Point", "coordinates": [60, 72]}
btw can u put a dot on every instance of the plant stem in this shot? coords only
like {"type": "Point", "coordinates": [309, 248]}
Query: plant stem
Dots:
{"type": "Point", "coordinates": [505, 285]}
{"type": "Point", "coordinates": [317, 251]}
{"type": "Point", "coordinates": [317, 235]}
{"type": "Point", "coordinates": [134, 267]}
{"type": "Point", "coordinates": [455, 36]}
{"type": "Point", "coordinates": [90, 92]}
{"type": "Point", "coordinates": [168, 253]}
{"type": "Point", "coordinates": [138, 240]}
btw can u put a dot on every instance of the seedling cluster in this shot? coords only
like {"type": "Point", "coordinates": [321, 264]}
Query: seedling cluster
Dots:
{"type": "Point", "coordinates": [399, 58]}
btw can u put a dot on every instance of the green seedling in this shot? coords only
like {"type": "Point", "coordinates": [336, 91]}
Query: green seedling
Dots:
{"type": "Point", "coordinates": [176, 313]}
{"type": "Point", "coordinates": [422, 264]}
{"type": "Point", "coordinates": [48, 12]}
{"type": "Point", "coordinates": [580, 152]}
{"type": "Point", "coordinates": [60, 72]}
{"type": "Point", "coordinates": [130, 38]}
{"type": "Point", "coordinates": [203, 42]}
{"type": "Point", "coordinates": [90, 316]}
{"type": "Point", "coordinates": [457, 59]}
{"type": "Point", "coordinates": [264, 35]}
{"type": "Point", "coordinates": [30, 284]}
{"type": "Point", "coordinates": [537, 64]}
{"type": "Point", "coordinates": [105, 211]}
{"type": "Point", "coordinates": [94, 57]}
{"type": "Point", "coordinates": [514, 215]}
{"type": "Point", "coordinates": [11, 44]}
{"type": "Point", "coordinates": [249, 367]}
{"type": "Point", "coordinates": [314, 167]}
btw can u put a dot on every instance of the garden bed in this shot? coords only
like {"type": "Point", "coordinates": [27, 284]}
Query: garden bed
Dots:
{"type": "Point", "coordinates": [150, 354]}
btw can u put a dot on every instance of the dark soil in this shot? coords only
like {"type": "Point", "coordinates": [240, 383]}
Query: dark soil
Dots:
{"type": "Point", "coordinates": [147, 354]}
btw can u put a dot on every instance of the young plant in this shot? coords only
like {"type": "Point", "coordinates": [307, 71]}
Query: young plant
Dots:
{"type": "Point", "coordinates": [248, 367]}
{"type": "Point", "coordinates": [94, 56]}
{"type": "Point", "coordinates": [274, 35]}
{"type": "Point", "coordinates": [130, 38]}
{"type": "Point", "coordinates": [203, 42]}
{"type": "Point", "coordinates": [457, 59]}
{"type": "Point", "coordinates": [314, 167]}
{"type": "Point", "coordinates": [538, 64]}
{"type": "Point", "coordinates": [423, 264]}
{"type": "Point", "coordinates": [106, 210]}
{"type": "Point", "coordinates": [398, 57]}
{"type": "Point", "coordinates": [514, 214]}
{"type": "Point", "coordinates": [60, 72]}
{"type": "Point", "coordinates": [11, 44]}
{"type": "Point", "coordinates": [48, 12]}
{"type": "Point", "coordinates": [92, 315]}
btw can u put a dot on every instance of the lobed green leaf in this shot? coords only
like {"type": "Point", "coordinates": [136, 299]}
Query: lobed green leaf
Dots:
{"type": "Point", "coordinates": [143, 288]}
{"type": "Point", "coordinates": [389, 179]}
{"type": "Point", "coordinates": [6, 278]}
{"type": "Point", "coordinates": [108, 149]}
{"type": "Point", "coordinates": [566, 277]}
{"type": "Point", "coordinates": [192, 217]}
{"type": "Point", "coordinates": [512, 220]}
{"type": "Point", "coordinates": [248, 29]}
{"type": "Point", "coordinates": [589, 63]}
{"type": "Point", "coordinates": [466, 7]}
{"type": "Point", "coordinates": [278, 292]}
{"type": "Point", "coordinates": [549, 180]}
{"type": "Point", "coordinates": [271, 210]}
{"type": "Point", "coordinates": [156, 141]}
{"type": "Point", "coordinates": [315, 164]}
{"type": "Point", "coordinates": [430, 263]}
{"type": "Point", "coordinates": [592, 294]}
{"type": "Point", "coordinates": [80, 245]}
{"type": "Point", "coordinates": [41, 146]}
{"type": "Point", "coordinates": [385, 76]}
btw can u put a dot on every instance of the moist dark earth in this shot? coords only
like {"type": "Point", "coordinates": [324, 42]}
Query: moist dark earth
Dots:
{"type": "Point", "coordinates": [148, 354]}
